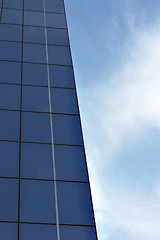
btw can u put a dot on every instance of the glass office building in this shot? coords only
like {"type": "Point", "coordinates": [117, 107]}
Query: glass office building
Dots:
{"type": "Point", "coordinates": [44, 186]}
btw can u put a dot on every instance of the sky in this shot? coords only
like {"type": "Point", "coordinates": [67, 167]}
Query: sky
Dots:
{"type": "Point", "coordinates": [115, 47]}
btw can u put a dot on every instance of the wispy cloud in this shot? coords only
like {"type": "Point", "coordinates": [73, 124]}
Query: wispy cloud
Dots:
{"type": "Point", "coordinates": [120, 110]}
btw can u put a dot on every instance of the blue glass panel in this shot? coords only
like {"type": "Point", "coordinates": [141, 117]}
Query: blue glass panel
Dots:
{"type": "Point", "coordinates": [34, 53]}
{"type": "Point", "coordinates": [64, 101]}
{"type": "Point", "coordinates": [36, 127]}
{"type": "Point", "coordinates": [36, 5]}
{"type": "Point", "coordinates": [54, 6]}
{"type": "Point", "coordinates": [37, 232]}
{"type": "Point", "coordinates": [67, 129]}
{"type": "Point", "coordinates": [59, 55]}
{"type": "Point", "coordinates": [8, 199]}
{"type": "Point", "coordinates": [61, 76]}
{"type": "Point", "coordinates": [12, 16]}
{"type": "Point", "coordinates": [57, 36]}
{"type": "Point", "coordinates": [37, 201]}
{"type": "Point", "coordinates": [10, 51]}
{"type": "Point", "coordinates": [13, 4]}
{"type": "Point", "coordinates": [10, 72]}
{"type": "Point", "coordinates": [36, 161]}
{"type": "Point", "coordinates": [70, 163]}
{"type": "Point", "coordinates": [77, 207]}
{"type": "Point", "coordinates": [34, 34]}
{"type": "Point", "coordinates": [10, 32]}
{"type": "Point", "coordinates": [9, 164]}
{"type": "Point", "coordinates": [34, 18]}
{"type": "Point", "coordinates": [9, 125]}
{"type": "Point", "coordinates": [56, 20]}
{"type": "Point", "coordinates": [35, 74]}
{"type": "Point", "coordinates": [8, 231]}
{"type": "Point", "coordinates": [78, 233]}
{"type": "Point", "coordinates": [9, 96]}
{"type": "Point", "coordinates": [35, 101]}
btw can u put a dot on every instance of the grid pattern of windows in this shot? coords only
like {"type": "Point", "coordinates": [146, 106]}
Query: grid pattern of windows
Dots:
{"type": "Point", "coordinates": [44, 186]}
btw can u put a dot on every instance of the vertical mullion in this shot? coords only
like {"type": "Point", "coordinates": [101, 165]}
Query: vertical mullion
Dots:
{"type": "Point", "coordinates": [20, 130]}
{"type": "Point", "coordinates": [1, 11]}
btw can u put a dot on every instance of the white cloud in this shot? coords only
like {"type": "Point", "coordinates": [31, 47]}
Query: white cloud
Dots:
{"type": "Point", "coordinates": [124, 107]}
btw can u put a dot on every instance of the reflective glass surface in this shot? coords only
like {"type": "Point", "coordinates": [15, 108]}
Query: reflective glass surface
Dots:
{"type": "Point", "coordinates": [55, 20]}
{"type": "Point", "coordinates": [64, 101]}
{"type": "Point", "coordinates": [9, 125]}
{"type": "Point", "coordinates": [77, 207]}
{"type": "Point", "coordinates": [57, 36]}
{"type": "Point", "coordinates": [35, 74]}
{"type": "Point", "coordinates": [8, 231]}
{"type": "Point", "coordinates": [10, 51]}
{"type": "Point", "coordinates": [35, 102]}
{"type": "Point", "coordinates": [10, 32]}
{"type": "Point", "coordinates": [37, 232]}
{"type": "Point", "coordinates": [70, 163]}
{"type": "Point", "coordinates": [36, 127]}
{"type": "Point", "coordinates": [9, 97]}
{"type": "Point", "coordinates": [34, 53]}
{"type": "Point", "coordinates": [54, 6]}
{"type": "Point", "coordinates": [13, 4]}
{"type": "Point", "coordinates": [59, 55]}
{"type": "Point", "coordinates": [36, 5]}
{"type": "Point", "coordinates": [61, 76]}
{"type": "Point", "coordinates": [37, 201]}
{"type": "Point", "coordinates": [36, 161]}
{"type": "Point", "coordinates": [78, 233]}
{"type": "Point", "coordinates": [67, 129]}
{"type": "Point", "coordinates": [34, 34]}
{"type": "Point", "coordinates": [9, 160]}
{"type": "Point", "coordinates": [12, 16]}
{"type": "Point", "coordinates": [8, 199]}
{"type": "Point", "coordinates": [10, 72]}
{"type": "Point", "coordinates": [34, 18]}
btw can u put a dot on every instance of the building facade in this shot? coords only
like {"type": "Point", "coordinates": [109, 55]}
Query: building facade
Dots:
{"type": "Point", "coordinates": [44, 185]}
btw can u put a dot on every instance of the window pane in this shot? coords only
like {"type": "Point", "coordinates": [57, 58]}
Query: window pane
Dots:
{"type": "Point", "coordinates": [34, 18]}
{"type": "Point", "coordinates": [9, 97]}
{"type": "Point", "coordinates": [77, 207]}
{"type": "Point", "coordinates": [37, 201]}
{"type": "Point", "coordinates": [64, 101]}
{"type": "Point", "coordinates": [35, 101]}
{"type": "Point", "coordinates": [34, 34]}
{"type": "Point", "coordinates": [54, 6]}
{"type": "Point", "coordinates": [35, 74]}
{"type": "Point", "coordinates": [61, 76]}
{"type": "Point", "coordinates": [56, 20]}
{"type": "Point", "coordinates": [37, 232]}
{"type": "Point", "coordinates": [77, 232]}
{"type": "Point", "coordinates": [8, 199]}
{"type": "Point", "coordinates": [36, 127]}
{"type": "Point", "coordinates": [70, 163]}
{"type": "Point", "coordinates": [34, 53]}
{"type": "Point", "coordinates": [57, 36]}
{"type": "Point", "coordinates": [9, 164]}
{"type": "Point", "coordinates": [13, 4]}
{"type": "Point", "coordinates": [10, 72]}
{"type": "Point", "coordinates": [59, 55]}
{"type": "Point", "coordinates": [67, 129]}
{"type": "Point", "coordinates": [9, 125]}
{"type": "Point", "coordinates": [36, 161]}
{"type": "Point", "coordinates": [12, 16]}
{"type": "Point", "coordinates": [8, 231]}
{"type": "Point", "coordinates": [36, 5]}
{"type": "Point", "coordinates": [10, 32]}
{"type": "Point", "coordinates": [10, 51]}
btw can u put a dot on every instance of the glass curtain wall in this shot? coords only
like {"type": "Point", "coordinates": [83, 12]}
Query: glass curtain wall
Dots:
{"type": "Point", "coordinates": [44, 186]}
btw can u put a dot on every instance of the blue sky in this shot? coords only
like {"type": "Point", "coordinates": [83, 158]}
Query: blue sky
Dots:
{"type": "Point", "coordinates": [116, 54]}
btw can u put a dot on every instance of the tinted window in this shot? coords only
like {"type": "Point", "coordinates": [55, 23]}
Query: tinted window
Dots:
{"type": "Point", "coordinates": [10, 32]}
{"type": "Point", "coordinates": [9, 97]}
{"type": "Point", "coordinates": [34, 53]}
{"type": "Point", "coordinates": [10, 51]}
{"type": "Point", "coordinates": [34, 34]}
{"type": "Point", "coordinates": [77, 232]}
{"type": "Point", "coordinates": [10, 72]}
{"type": "Point", "coordinates": [59, 55]}
{"type": "Point", "coordinates": [8, 231]}
{"type": "Point", "coordinates": [12, 16]}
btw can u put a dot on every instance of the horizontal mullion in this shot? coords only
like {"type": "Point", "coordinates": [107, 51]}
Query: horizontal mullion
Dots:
{"type": "Point", "coordinates": [31, 10]}
{"type": "Point", "coordinates": [18, 24]}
